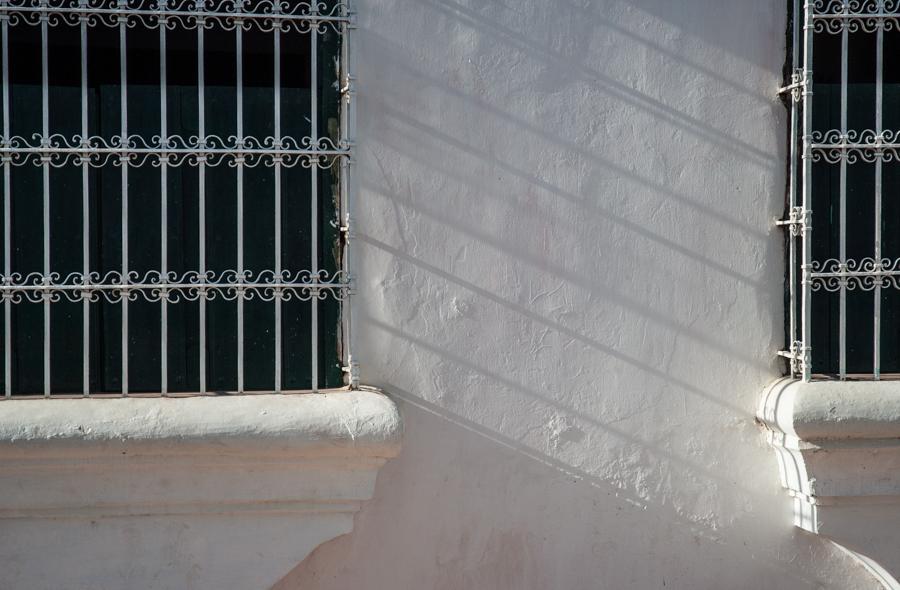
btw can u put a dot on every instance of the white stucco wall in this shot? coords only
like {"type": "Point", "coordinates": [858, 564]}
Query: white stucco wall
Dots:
{"type": "Point", "coordinates": [568, 276]}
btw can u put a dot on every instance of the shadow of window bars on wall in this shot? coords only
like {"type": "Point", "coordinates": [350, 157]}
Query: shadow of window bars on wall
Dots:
{"type": "Point", "coordinates": [843, 283]}
{"type": "Point", "coordinates": [175, 196]}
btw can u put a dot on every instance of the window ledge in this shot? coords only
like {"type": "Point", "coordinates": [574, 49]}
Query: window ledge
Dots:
{"type": "Point", "coordinates": [838, 450]}
{"type": "Point", "coordinates": [201, 492]}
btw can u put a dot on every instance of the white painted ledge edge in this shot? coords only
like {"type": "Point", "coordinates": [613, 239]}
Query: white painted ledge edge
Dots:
{"type": "Point", "coordinates": [833, 410]}
{"type": "Point", "coordinates": [838, 450]}
{"type": "Point", "coordinates": [265, 478]}
{"type": "Point", "coordinates": [343, 423]}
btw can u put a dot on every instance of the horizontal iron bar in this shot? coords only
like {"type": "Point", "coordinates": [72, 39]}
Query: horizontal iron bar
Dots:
{"type": "Point", "coordinates": [856, 15]}
{"type": "Point", "coordinates": [172, 151]}
{"type": "Point", "coordinates": [856, 273]}
{"type": "Point", "coordinates": [232, 143]}
{"type": "Point", "coordinates": [855, 146]}
{"type": "Point", "coordinates": [165, 285]}
{"type": "Point", "coordinates": [156, 277]}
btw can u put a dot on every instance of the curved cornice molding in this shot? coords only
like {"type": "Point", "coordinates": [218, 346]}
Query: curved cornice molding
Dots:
{"type": "Point", "coordinates": [193, 492]}
{"type": "Point", "coordinates": [838, 450]}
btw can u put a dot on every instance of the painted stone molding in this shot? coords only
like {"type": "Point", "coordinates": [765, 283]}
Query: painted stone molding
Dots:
{"type": "Point", "coordinates": [838, 449]}
{"type": "Point", "coordinates": [192, 493]}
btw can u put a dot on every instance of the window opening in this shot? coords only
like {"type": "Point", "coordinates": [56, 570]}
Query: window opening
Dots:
{"type": "Point", "coordinates": [175, 196]}
{"type": "Point", "coordinates": [843, 284]}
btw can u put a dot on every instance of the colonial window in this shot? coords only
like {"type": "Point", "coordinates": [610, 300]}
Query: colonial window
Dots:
{"type": "Point", "coordinates": [843, 210]}
{"type": "Point", "coordinates": [174, 194]}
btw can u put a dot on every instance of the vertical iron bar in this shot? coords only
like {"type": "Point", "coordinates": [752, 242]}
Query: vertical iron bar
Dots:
{"type": "Point", "coordinates": [201, 162]}
{"type": "Point", "coordinates": [164, 204]}
{"type": "Point", "coordinates": [7, 242]}
{"type": "Point", "coordinates": [879, 111]}
{"type": "Point", "coordinates": [85, 212]}
{"type": "Point", "coordinates": [792, 190]}
{"type": "Point", "coordinates": [842, 247]}
{"type": "Point", "coordinates": [45, 130]}
{"type": "Point", "coordinates": [277, 171]}
{"type": "Point", "coordinates": [239, 32]}
{"type": "Point", "coordinates": [347, 121]}
{"type": "Point", "coordinates": [314, 200]}
{"type": "Point", "coordinates": [123, 77]}
{"type": "Point", "coordinates": [806, 297]}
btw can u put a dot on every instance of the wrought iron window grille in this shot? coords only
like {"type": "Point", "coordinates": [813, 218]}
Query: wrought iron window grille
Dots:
{"type": "Point", "coordinates": [843, 280]}
{"type": "Point", "coordinates": [322, 29]}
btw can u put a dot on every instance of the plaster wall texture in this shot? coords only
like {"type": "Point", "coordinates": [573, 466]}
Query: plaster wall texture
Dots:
{"type": "Point", "coordinates": [569, 277]}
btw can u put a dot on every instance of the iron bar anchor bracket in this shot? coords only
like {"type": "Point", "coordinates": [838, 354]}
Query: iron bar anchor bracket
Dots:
{"type": "Point", "coordinates": [796, 87]}
{"type": "Point", "coordinates": [799, 221]}
{"type": "Point", "coordinates": [798, 356]}
{"type": "Point", "coordinates": [351, 374]}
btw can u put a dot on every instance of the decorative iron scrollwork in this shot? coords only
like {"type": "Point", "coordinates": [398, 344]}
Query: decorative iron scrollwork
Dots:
{"type": "Point", "coordinates": [864, 274]}
{"type": "Point", "coordinates": [867, 16]}
{"type": "Point", "coordinates": [135, 150]}
{"type": "Point", "coordinates": [154, 286]}
{"type": "Point", "coordinates": [833, 145]}
{"type": "Point", "coordinates": [261, 15]}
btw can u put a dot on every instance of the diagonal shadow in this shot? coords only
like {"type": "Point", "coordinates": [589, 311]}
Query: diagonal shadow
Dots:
{"type": "Point", "coordinates": [603, 290]}
{"type": "Point", "coordinates": [400, 62]}
{"type": "Point", "coordinates": [660, 111]}
{"type": "Point", "coordinates": [539, 319]}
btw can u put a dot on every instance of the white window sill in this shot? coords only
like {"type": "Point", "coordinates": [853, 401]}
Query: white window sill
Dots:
{"type": "Point", "coordinates": [838, 450]}
{"type": "Point", "coordinates": [201, 492]}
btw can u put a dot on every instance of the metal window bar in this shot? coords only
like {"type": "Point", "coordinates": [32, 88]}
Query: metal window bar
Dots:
{"type": "Point", "coordinates": [85, 210]}
{"type": "Point", "coordinates": [879, 118]}
{"type": "Point", "coordinates": [314, 201]}
{"type": "Point", "coordinates": [50, 150]}
{"type": "Point", "coordinates": [348, 122]}
{"type": "Point", "coordinates": [123, 84]}
{"type": "Point", "coordinates": [239, 162]}
{"type": "Point", "coordinates": [844, 147]}
{"type": "Point", "coordinates": [276, 104]}
{"type": "Point", "coordinates": [164, 205]}
{"type": "Point", "coordinates": [201, 163]}
{"type": "Point", "coordinates": [842, 205]}
{"type": "Point", "coordinates": [794, 211]}
{"type": "Point", "coordinates": [7, 210]}
{"type": "Point", "coordinates": [45, 165]}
